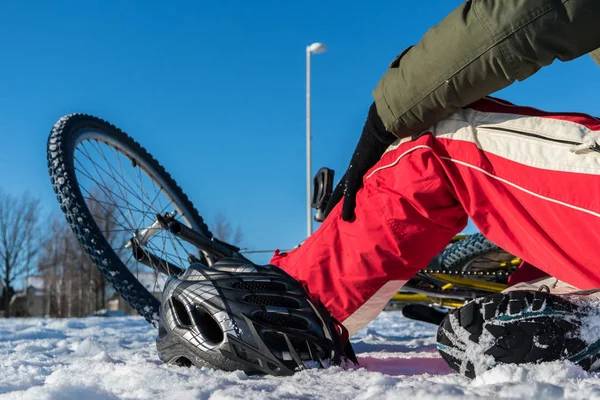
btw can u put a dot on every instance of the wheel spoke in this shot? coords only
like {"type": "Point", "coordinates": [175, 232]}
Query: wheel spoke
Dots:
{"type": "Point", "coordinates": [98, 169]}
{"type": "Point", "coordinates": [128, 188]}
{"type": "Point", "coordinates": [132, 206]}
{"type": "Point", "coordinates": [99, 149]}
{"type": "Point", "coordinates": [150, 204]}
{"type": "Point", "coordinates": [104, 186]}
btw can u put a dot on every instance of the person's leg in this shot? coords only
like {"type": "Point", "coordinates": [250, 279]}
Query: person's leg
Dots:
{"type": "Point", "coordinates": [510, 169]}
{"type": "Point", "coordinates": [524, 186]}
{"type": "Point", "coordinates": [404, 216]}
{"type": "Point", "coordinates": [525, 273]}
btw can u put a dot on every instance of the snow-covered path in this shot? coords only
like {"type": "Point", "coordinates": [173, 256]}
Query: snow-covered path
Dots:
{"type": "Point", "coordinates": [114, 358]}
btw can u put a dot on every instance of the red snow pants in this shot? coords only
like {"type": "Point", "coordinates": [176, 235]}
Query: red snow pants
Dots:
{"type": "Point", "coordinates": [528, 179]}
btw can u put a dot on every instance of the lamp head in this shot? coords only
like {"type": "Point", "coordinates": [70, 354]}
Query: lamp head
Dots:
{"type": "Point", "coordinates": [317, 48]}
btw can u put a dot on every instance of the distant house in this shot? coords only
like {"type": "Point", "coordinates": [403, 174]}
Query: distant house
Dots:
{"type": "Point", "coordinates": [154, 283]}
{"type": "Point", "coordinates": [31, 301]}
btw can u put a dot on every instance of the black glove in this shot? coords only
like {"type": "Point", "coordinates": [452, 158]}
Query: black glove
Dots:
{"type": "Point", "coordinates": [371, 146]}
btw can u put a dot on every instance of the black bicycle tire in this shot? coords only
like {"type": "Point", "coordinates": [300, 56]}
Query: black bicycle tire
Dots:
{"type": "Point", "coordinates": [60, 151]}
{"type": "Point", "coordinates": [459, 253]}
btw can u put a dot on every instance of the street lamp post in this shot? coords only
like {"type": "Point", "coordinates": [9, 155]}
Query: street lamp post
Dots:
{"type": "Point", "coordinates": [314, 48]}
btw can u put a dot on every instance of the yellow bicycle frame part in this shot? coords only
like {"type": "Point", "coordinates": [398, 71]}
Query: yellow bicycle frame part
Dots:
{"type": "Point", "coordinates": [471, 283]}
{"type": "Point", "coordinates": [452, 281]}
{"type": "Point", "coordinates": [421, 298]}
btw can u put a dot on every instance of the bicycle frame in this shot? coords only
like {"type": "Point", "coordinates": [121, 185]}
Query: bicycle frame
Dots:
{"type": "Point", "coordinates": [209, 247]}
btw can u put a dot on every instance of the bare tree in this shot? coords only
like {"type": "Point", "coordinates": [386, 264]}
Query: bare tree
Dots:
{"type": "Point", "coordinates": [224, 230]}
{"type": "Point", "coordinates": [49, 263]}
{"type": "Point", "coordinates": [73, 284]}
{"type": "Point", "coordinates": [106, 216]}
{"type": "Point", "coordinates": [19, 239]}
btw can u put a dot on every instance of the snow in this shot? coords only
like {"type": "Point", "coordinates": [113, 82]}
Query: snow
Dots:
{"type": "Point", "coordinates": [590, 324]}
{"type": "Point", "coordinates": [115, 358]}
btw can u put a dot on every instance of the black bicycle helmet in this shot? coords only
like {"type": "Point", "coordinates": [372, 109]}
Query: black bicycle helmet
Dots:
{"type": "Point", "coordinates": [239, 316]}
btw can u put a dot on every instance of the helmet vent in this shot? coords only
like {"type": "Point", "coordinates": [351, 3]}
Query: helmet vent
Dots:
{"type": "Point", "coordinates": [181, 313]}
{"type": "Point", "coordinates": [275, 301]}
{"type": "Point", "coordinates": [281, 320]}
{"type": "Point", "coordinates": [276, 341]}
{"type": "Point", "coordinates": [200, 319]}
{"type": "Point", "coordinates": [243, 354]}
{"type": "Point", "coordinates": [259, 285]}
{"type": "Point", "coordinates": [183, 362]}
{"type": "Point", "coordinates": [207, 325]}
{"type": "Point", "coordinates": [272, 366]}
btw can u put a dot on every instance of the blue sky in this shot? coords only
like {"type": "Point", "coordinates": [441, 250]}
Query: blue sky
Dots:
{"type": "Point", "coordinates": [216, 91]}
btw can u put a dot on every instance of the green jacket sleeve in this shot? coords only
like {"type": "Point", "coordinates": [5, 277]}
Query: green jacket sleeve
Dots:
{"type": "Point", "coordinates": [596, 56]}
{"type": "Point", "coordinates": [481, 47]}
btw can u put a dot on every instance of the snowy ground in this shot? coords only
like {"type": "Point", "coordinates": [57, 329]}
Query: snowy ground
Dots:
{"type": "Point", "coordinates": [110, 358]}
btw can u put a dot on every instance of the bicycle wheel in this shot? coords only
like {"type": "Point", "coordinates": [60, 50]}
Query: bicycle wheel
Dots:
{"type": "Point", "coordinates": [476, 253]}
{"type": "Point", "coordinates": [112, 191]}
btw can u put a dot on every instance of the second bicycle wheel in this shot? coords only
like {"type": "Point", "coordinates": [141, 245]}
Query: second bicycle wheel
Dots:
{"type": "Point", "coordinates": [112, 191]}
{"type": "Point", "coordinates": [476, 253]}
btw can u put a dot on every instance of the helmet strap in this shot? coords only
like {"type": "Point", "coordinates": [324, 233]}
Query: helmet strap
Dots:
{"type": "Point", "coordinates": [346, 346]}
